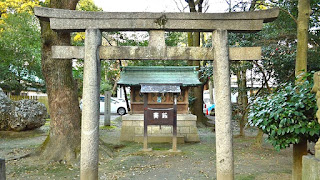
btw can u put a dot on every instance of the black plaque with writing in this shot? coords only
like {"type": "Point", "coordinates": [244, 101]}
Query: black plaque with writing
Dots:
{"type": "Point", "coordinates": [160, 116]}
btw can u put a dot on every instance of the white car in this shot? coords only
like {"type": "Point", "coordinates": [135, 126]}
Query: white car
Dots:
{"type": "Point", "coordinates": [118, 106]}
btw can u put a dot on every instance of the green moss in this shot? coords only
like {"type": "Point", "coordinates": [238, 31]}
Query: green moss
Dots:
{"type": "Point", "coordinates": [108, 127]}
{"type": "Point", "coordinates": [45, 143]}
{"type": "Point", "coordinates": [245, 177]}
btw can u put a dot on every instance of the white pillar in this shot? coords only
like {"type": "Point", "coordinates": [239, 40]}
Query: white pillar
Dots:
{"type": "Point", "coordinates": [157, 39]}
{"type": "Point", "coordinates": [91, 107]}
{"type": "Point", "coordinates": [157, 42]}
{"type": "Point", "coordinates": [224, 150]}
{"type": "Point", "coordinates": [211, 86]}
{"type": "Point", "coordinates": [107, 108]}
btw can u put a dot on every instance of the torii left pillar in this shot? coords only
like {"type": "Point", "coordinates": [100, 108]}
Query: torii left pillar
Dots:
{"type": "Point", "coordinates": [90, 112]}
{"type": "Point", "coordinates": [222, 85]}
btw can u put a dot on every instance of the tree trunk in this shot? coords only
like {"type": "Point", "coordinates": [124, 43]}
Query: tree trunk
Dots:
{"type": "Point", "coordinates": [190, 34]}
{"type": "Point", "coordinates": [259, 139]}
{"type": "Point", "coordinates": [244, 100]}
{"type": "Point", "coordinates": [190, 43]}
{"type": "Point", "coordinates": [253, 5]}
{"type": "Point", "coordinates": [197, 92]}
{"type": "Point", "coordinates": [302, 36]}
{"type": "Point", "coordinates": [63, 141]}
{"type": "Point", "coordinates": [299, 150]}
{"type": "Point", "coordinates": [242, 97]}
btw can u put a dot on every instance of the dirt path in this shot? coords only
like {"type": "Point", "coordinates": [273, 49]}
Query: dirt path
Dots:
{"type": "Point", "coordinates": [197, 160]}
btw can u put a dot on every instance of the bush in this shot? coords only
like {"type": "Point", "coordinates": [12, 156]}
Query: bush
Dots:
{"type": "Point", "coordinates": [287, 116]}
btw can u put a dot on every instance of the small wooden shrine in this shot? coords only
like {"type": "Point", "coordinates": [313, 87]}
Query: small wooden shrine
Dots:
{"type": "Point", "coordinates": [170, 79]}
{"type": "Point", "coordinates": [134, 76]}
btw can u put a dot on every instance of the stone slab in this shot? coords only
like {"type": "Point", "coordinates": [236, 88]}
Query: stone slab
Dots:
{"type": "Point", "coordinates": [244, 53]}
{"type": "Point", "coordinates": [134, 21]}
{"type": "Point", "coordinates": [46, 13]}
{"type": "Point", "coordinates": [160, 139]}
{"type": "Point", "coordinates": [310, 168]}
{"type": "Point", "coordinates": [151, 53]}
{"type": "Point", "coordinates": [132, 125]}
{"type": "Point", "coordinates": [152, 24]}
{"type": "Point", "coordinates": [139, 117]}
{"type": "Point", "coordinates": [193, 137]}
{"type": "Point", "coordinates": [183, 130]}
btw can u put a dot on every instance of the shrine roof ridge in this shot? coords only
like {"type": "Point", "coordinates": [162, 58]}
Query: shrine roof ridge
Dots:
{"type": "Point", "coordinates": [137, 75]}
{"type": "Point", "coordinates": [160, 68]}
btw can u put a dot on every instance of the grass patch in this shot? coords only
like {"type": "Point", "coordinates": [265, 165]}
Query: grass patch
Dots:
{"type": "Point", "coordinates": [108, 127]}
{"type": "Point", "coordinates": [246, 177]}
{"type": "Point", "coordinates": [160, 148]}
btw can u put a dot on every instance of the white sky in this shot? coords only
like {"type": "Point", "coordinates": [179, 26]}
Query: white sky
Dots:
{"type": "Point", "coordinates": [155, 5]}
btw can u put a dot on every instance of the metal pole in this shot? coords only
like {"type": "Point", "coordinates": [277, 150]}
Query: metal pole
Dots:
{"type": "Point", "coordinates": [91, 105]}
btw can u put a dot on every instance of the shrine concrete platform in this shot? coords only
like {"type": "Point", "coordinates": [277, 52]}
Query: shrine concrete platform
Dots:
{"type": "Point", "coordinates": [132, 129]}
{"type": "Point", "coordinates": [310, 168]}
{"type": "Point", "coordinates": [159, 139]}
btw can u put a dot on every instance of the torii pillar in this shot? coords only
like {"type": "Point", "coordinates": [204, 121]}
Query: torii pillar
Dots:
{"type": "Point", "coordinates": [224, 149]}
{"type": "Point", "coordinates": [91, 106]}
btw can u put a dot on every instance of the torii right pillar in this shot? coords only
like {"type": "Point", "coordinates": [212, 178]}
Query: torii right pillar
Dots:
{"type": "Point", "coordinates": [224, 150]}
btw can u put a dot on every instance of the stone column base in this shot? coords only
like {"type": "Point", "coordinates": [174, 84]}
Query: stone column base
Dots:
{"type": "Point", "coordinates": [132, 128]}
{"type": "Point", "coordinates": [310, 168]}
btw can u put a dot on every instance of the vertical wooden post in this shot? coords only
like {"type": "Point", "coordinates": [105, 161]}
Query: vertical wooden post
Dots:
{"type": "Point", "coordinates": [224, 150]}
{"type": "Point", "coordinates": [91, 107]}
{"type": "Point", "coordinates": [2, 169]}
{"type": "Point", "coordinates": [145, 124]}
{"type": "Point", "coordinates": [126, 98]}
{"type": "Point", "coordinates": [107, 108]}
{"type": "Point", "coordinates": [174, 140]}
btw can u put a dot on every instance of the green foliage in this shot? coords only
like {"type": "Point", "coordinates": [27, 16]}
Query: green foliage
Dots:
{"type": "Point", "coordinates": [278, 42]}
{"type": "Point", "coordinates": [206, 71]}
{"type": "Point", "coordinates": [20, 52]}
{"type": "Point", "coordinates": [87, 5]}
{"type": "Point", "coordinates": [171, 39]}
{"type": "Point", "coordinates": [287, 116]}
{"type": "Point", "coordinates": [175, 38]}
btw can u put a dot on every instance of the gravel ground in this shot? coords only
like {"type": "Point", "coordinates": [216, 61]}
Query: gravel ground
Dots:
{"type": "Point", "coordinates": [197, 160]}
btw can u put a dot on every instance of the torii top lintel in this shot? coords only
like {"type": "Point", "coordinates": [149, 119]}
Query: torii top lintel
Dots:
{"type": "Point", "coordinates": [72, 20]}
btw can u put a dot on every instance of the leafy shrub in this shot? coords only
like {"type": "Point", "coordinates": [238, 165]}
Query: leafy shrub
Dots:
{"type": "Point", "coordinates": [287, 116]}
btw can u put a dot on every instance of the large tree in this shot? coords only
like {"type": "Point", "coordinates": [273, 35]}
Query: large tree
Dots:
{"type": "Point", "coordinates": [63, 141]}
{"type": "Point", "coordinates": [197, 92]}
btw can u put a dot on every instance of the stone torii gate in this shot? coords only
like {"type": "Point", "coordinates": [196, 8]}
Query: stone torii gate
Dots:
{"type": "Point", "coordinates": [156, 24]}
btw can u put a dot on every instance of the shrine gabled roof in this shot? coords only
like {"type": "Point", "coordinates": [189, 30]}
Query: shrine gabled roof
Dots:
{"type": "Point", "coordinates": [137, 75]}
